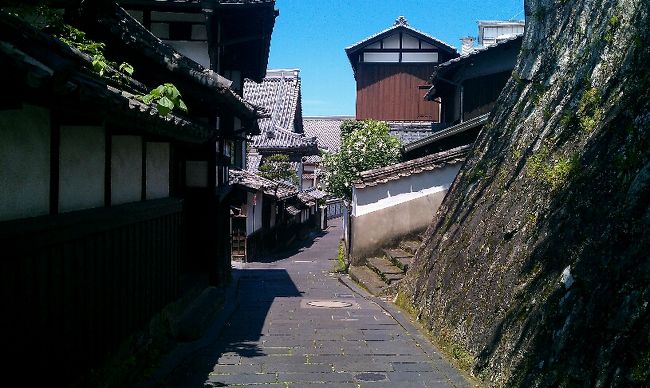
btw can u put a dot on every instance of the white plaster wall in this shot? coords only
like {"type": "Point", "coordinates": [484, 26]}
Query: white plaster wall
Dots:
{"type": "Point", "coordinates": [81, 167]}
{"type": "Point", "coordinates": [126, 169]}
{"type": "Point", "coordinates": [381, 196]}
{"type": "Point", "coordinates": [254, 212]}
{"type": "Point", "coordinates": [384, 213]}
{"type": "Point", "coordinates": [24, 162]}
{"type": "Point", "coordinates": [157, 170]}
{"type": "Point", "coordinates": [198, 51]}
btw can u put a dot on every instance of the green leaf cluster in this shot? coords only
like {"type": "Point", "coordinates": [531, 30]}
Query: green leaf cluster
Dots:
{"type": "Point", "coordinates": [278, 168]}
{"type": "Point", "coordinates": [166, 97]}
{"type": "Point", "coordinates": [364, 145]}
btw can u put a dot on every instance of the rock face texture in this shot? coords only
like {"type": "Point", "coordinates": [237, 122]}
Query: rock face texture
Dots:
{"type": "Point", "coordinates": [537, 265]}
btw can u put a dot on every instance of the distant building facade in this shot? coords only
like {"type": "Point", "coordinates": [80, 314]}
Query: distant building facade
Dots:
{"type": "Point", "coordinates": [391, 69]}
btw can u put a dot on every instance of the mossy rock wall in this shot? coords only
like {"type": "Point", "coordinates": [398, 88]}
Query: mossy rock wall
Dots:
{"type": "Point", "coordinates": [538, 261]}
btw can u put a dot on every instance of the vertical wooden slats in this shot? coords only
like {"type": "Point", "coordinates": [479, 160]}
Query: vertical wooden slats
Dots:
{"type": "Point", "coordinates": [76, 299]}
{"type": "Point", "coordinates": [390, 91]}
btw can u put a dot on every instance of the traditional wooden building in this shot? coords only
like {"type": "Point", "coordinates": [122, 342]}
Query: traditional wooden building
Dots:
{"type": "Point", "coordinates": [268, 214]}
{"type": "Point", "coordinates": [104, 203]}
{"type": "Point", "coordinates": [391, 69]}
{"type": "Point", "coordinates": [468, 87]}
{"type": "Point", "coordinates": [282, 131]}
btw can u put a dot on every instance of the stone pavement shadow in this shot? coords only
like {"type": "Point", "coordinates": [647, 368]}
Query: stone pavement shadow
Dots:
{"type": "Point", "coordinates": [238, 343]}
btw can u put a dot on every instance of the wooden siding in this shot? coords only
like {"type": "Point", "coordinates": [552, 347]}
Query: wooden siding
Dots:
{"type": "Point", "coordinates": [75, 285]}
{"type": "Point", "coordinates": [394, 92]}
{"type": "Point", "coordinates": [481, 93]}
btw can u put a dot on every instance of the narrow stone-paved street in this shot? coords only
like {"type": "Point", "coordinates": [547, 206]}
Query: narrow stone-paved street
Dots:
{"type": "Point", "coordinates": [297, 325]}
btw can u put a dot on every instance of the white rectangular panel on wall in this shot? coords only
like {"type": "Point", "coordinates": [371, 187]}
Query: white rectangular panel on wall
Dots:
{"type": "Point", "coordinates": [161, 30]}
{"type": "Point", "coordinates": [81, 167]}
{"type": "Point", "coordinates": [420, 57]}
{"type": "Point", "coordinates": [177, 17]}
{"type": "Point", "coordinates": [157, 170]}
{"type": "Point", "coordinates": [410, 42]}
{"type": "Point", "coordinates": [199, 32]}
{"type": "Point", "coordinates": [126, 169]}
{"type": "Point", "coordinates": [381, 57]}
{"type": "Point", "coordinates": [196, 173]}
{"type": "Point", "coordinates": [198, 51]}
{"type": "Point", "coordinates": [24, 162]}
{"type": "Point", "coordinates": [391, 42]}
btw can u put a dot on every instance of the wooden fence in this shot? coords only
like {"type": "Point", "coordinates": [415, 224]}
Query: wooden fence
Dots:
{"type": "Point", "coordinates": [75, 285]}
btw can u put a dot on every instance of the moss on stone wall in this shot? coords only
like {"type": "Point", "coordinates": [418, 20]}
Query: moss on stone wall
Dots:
{"type": "Point", "coordinates": [536, 264]}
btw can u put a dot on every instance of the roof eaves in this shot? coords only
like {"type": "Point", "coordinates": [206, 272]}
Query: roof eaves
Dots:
{"type": "Point", "coordinates": [447, 132]}
{"type": "Point", "coordinates": [115, 21]}
{"type": "Point", "coordinates": [412, 167]}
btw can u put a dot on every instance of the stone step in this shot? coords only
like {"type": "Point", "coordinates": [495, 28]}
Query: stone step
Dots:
{"type": "Point", "coordinates": [383, 266]}
{"type": "Point", "coordinates": [367, 278]}
{"type": "Point", "coordinates": [394, 277]}
{"type": "Point", "coordinates": [410, 246]}
{"type": "Point", "coordinates": [394, 253]}
{"type": "Point", "coordinates": [403, 262]}
{"type": "Point", "coordinates": [399, 257]}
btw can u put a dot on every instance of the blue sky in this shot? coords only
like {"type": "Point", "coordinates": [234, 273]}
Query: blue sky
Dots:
{"type": "Point", "coordinates": [312, 34]}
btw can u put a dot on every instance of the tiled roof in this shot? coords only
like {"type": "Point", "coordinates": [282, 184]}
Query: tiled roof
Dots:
{"type": "Point", "coordinates": [479, 50]}
{"type": "Point", "coordinates": [306, 199]}
{"type": "Point", "coordinates": [279, 94]}
{"type": "Point", "coordinates": [292, 210]}
{"type": "Point", "coordinates": [410, 131]}
{"type": "Point", "coordinates": [115, 25]}
{"type": "Point", "coordinates": [280, 139]}
{"type": "Point", "coordinates": [326, 129]}
{"type": "Point", "coordinates": [253, 160]}
{"type": "Point", "coordinates": [312, 159]}
{"type": "Point", "coordinates": [314, 192]}
{"type": "Point", "coordinates": [37, 53]}
{"type": "Point", "coordinates": [411, 167]}
{"type": "Point", "coordinates": [400, 24]}
{"type": "Point", "coordinates": [447, 132]}
{"type": "Point", "coordinates": [255, 182]}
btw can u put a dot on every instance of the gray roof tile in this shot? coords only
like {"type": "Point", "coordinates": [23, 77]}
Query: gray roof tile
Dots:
{"type": "Point", "coordinates": [326, 129]}
{"type": "Point", "coordinates": [411, 167]}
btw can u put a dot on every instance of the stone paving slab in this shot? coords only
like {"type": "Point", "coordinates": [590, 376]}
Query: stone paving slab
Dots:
{"type": "Point", "coordinates": [273, 339]}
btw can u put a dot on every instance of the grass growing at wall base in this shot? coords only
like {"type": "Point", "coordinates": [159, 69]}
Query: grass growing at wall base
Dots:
{"type": "Point", "coordinates": [459, 356]}
{"type": "Point", "coordinates": [341, 265]}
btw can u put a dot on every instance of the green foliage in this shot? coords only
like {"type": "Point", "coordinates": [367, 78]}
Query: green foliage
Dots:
{"type": "Point", "coordinates": [554, 171]}
{"type": "Point", "coordinates": [612, 25]}
{"type": "Point", "coordinates": [278, 167]}
{"type": "Point", "coordinates": [349, 126]}
{"type": "Point", "coordinates": [341, 263]}
{"type": "Point", "coordinates": [365, 145]}
{"type": "Point", "coordinates": [589, 110]}
{"type": "Point", "coordinates": [49, 20]}
{"type": "Point", "coordinates": [166, 97]}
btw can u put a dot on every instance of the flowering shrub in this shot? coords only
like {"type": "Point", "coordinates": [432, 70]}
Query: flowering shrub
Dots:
{"type": "Point", "coordinates": [364, 145]}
